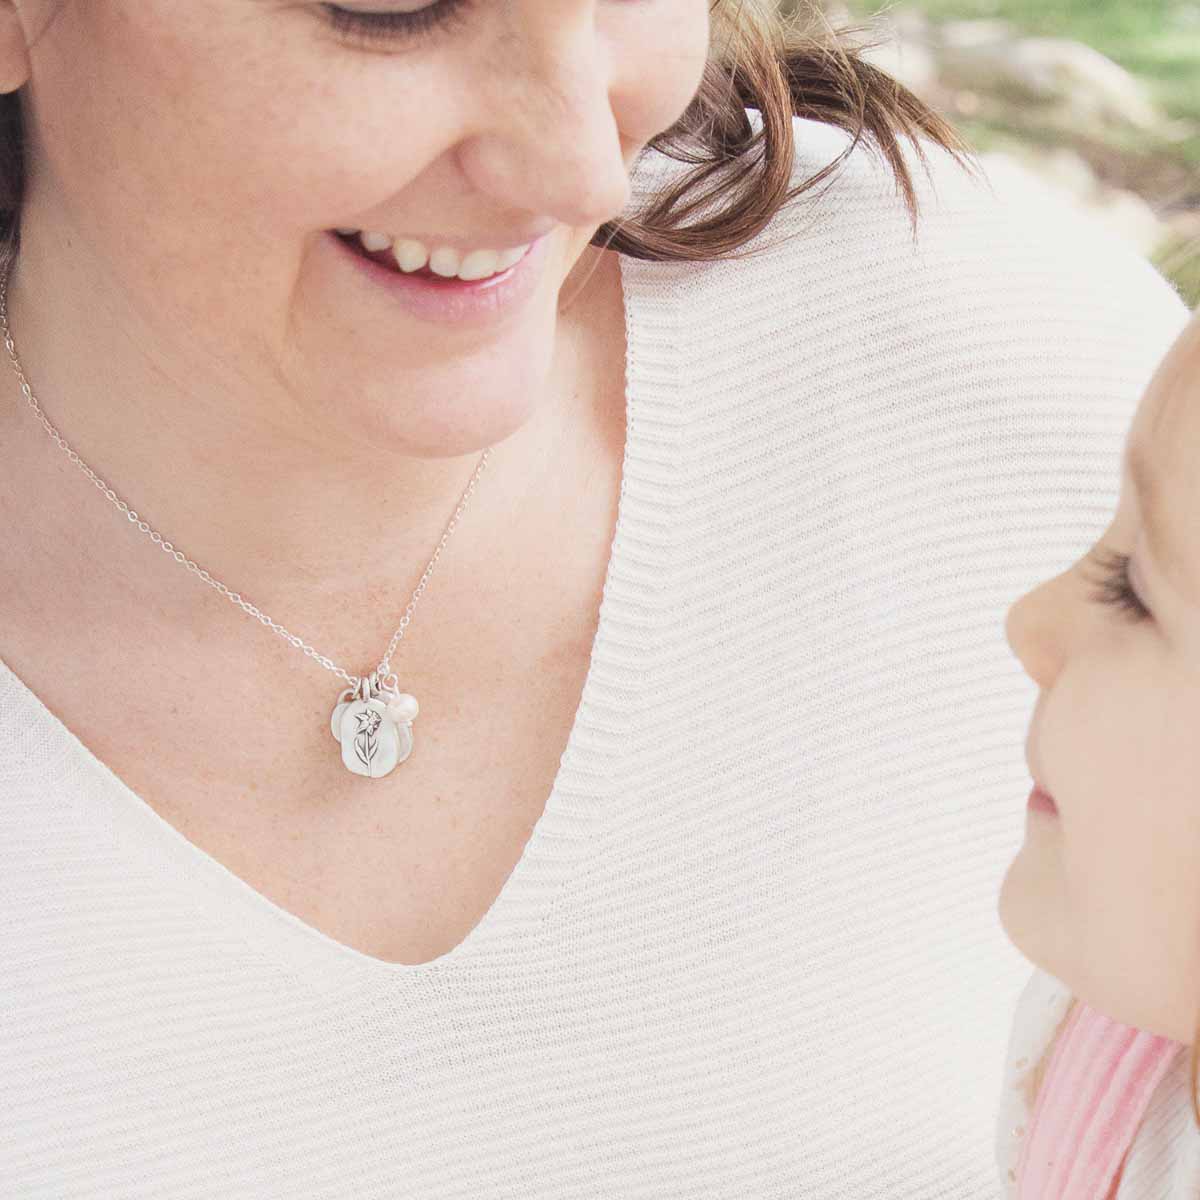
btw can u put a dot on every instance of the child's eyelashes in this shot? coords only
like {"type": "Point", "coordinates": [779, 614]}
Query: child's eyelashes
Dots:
{"type": "Point", "coordinates": [1115, 587]}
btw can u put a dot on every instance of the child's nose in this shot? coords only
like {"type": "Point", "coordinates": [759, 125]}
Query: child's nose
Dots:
{"type": "Point", "coordinates": [1035, 630]}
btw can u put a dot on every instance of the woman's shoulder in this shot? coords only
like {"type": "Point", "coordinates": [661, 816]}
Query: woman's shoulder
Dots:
{"type": "Point", "coordinates": [992, 228]}
{"type": "Point", "coordinates": [991, 303]}
{"type": "Point", "coordinates": [982, 255]}
{"type": "Point", "coordinates": [991, 279]}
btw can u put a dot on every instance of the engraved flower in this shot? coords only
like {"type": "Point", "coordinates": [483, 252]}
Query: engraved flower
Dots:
{"type": "Point", "coordinates": [368, 722]}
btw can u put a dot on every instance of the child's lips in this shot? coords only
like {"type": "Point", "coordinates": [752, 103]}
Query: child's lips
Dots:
{"type": "Point", "coordinates": [1042, 801]}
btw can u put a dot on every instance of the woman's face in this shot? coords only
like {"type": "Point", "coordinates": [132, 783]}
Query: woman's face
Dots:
{"type": "Point", "coordinates": [1105, 892]}
{"type": "Point", "coordinates": [196, 155]}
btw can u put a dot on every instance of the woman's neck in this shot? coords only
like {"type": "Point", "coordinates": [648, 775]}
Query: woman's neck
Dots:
{"type": "Point", "coordinates": [276, 507]}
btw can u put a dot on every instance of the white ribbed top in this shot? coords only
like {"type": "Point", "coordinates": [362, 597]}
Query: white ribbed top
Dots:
{"type": "Point", "coordinates": [750, 949]}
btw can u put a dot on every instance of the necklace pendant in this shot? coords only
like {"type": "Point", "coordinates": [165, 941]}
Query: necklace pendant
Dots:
{"type": "Point", "coordinates": [374, 726]}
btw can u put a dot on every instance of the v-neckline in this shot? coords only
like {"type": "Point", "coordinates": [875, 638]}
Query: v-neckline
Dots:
{"type": "Point", "coordinates": [614, 687]}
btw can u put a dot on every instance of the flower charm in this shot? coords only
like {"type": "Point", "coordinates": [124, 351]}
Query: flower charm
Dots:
{"type": "Point", "coordinates": [366, 743]}
{"type": "Point", "coordinates": [375, 734]}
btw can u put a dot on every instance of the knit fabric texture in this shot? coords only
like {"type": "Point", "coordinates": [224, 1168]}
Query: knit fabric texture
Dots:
{"type": "Point", "coordinates": [750, 949]}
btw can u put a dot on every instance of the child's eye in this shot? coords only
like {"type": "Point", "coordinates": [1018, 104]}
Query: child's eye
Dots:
{"type": "Point", "coordinates": [393, 24]}
{"type": "Point", "coordinates": [1115, 587]}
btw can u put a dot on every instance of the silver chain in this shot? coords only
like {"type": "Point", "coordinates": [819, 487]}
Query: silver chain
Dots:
{"type": "Point", "coordinates": [382, 674]}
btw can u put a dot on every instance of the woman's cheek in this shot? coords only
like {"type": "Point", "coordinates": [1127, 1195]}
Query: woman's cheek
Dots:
{"type": "Point", "coordinates": [652, 90]}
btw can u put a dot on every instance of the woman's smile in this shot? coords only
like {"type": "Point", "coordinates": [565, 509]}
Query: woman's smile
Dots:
{"type": "Point", "coordinates": [446, 298]}
{"type": "Point", "coordinates": [436, 258]}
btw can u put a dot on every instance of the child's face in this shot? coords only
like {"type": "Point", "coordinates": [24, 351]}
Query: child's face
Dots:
{"type": "Point", "coordinates": [1105, 893]}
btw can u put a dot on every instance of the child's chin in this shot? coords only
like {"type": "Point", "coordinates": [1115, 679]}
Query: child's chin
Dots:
{"type": "Point", "coordinates": [1026, 916]}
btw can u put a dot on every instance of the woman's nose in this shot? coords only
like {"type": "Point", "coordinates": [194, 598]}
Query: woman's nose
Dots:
{"type": "Point", "coordinates": [553, 139]}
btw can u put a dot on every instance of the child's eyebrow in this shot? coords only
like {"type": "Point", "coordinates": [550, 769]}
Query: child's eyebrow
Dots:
{"type": "Point", "coordinates": [1143, 485]}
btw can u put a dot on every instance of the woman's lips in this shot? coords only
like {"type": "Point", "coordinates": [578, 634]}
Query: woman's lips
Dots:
{"type": "Point", "coordinates": [451, 301]}
{"type": "Point", "coordinates": [1040, 801]}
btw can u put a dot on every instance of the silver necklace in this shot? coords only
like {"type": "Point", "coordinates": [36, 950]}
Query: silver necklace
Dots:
{"type": "Point", "coordinates": [372, 719]}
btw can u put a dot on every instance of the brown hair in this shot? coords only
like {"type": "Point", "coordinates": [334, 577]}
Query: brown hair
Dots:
{"type": "Point", "coordinates": [760, 59]}
{"type": "Point", "coordinates": [765, 60]}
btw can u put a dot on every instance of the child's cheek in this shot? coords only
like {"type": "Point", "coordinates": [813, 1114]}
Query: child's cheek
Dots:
{"type": "Point", "coordinates": [1134, 887]}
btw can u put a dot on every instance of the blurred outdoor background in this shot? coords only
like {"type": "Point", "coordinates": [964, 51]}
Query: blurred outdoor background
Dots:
{"type": "Point", "coordinates": [1098, 100]}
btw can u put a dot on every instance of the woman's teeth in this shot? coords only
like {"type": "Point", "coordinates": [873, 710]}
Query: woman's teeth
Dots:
{"type": "Point", "coordinates": [411, 255]}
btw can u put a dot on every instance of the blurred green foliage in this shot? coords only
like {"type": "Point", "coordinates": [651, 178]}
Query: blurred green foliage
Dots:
{"type": "Point", "coordinates": [1158, 40]}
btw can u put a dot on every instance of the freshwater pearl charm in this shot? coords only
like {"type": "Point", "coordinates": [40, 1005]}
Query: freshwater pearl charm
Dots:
{"type": "Point", "coordinates": [403, 708]}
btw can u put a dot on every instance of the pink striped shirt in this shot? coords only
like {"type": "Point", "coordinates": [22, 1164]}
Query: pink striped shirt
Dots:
{"type": "Point", "coordinates": [1097, 1087]}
